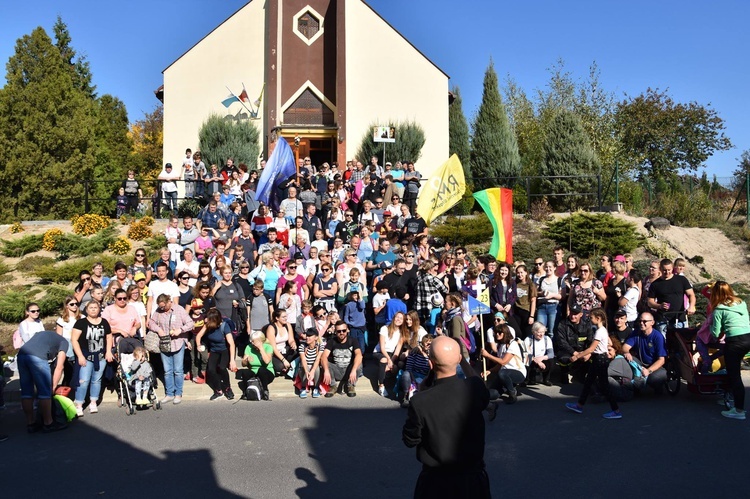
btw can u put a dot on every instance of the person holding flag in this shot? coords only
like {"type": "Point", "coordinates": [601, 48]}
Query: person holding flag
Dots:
{"type": "Point", "coordinates": [279, 168]}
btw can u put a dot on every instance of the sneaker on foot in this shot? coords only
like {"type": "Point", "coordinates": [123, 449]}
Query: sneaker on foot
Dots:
{"type": "Point", "coordinates": [382, 391]}
{"type": "Point", "coordinates": [405, 404]}
{"type": "Point", "coordinates": [216, 395]}
{"type": "Point", "coordinates": [316, 393]}
{"type": "Point", "coordinates": [187, 377]}
{"type": "Point", "coordinates": [733, 413]}
{"type": "Point", "coordinates": [330, 394]}
{"type": "Point", "coordinates": [573, 406]}
{"type": "Point", "coordinates": [167, 399]}
{"type": "Point", "coordinates": [79, 410]}
{"type": "Point", "coordinates": [612, 415]}
{"type": "Point", "coordinates": [229, 394]}
{"type": "Point", "coordinates": [547, 383]}
{"type": "Point", "coordinates": [351, 391]}
{"type": "Point", "coordinates": [303, 394]}
{"type": "Point", "coordinates": [512, 397]}
{"type": "Point", "coordinates": [93, 409]}
{"type": "Point", "coordinates": [177, 399]}
{"type": "Point", "coordinates": [199, 381]}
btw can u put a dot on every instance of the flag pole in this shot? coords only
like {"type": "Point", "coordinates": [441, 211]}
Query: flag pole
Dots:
{"type": "Point", "coordinates": [484, 359]}
{"type": "Point", "coordinates": [238, 100]}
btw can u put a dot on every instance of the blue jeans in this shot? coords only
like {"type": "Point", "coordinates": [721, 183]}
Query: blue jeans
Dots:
{"type": "Point", "coordinates": [173, 371]}
{"type": "Point", "coordinates": [34, 371]}
{"type": "Point", "coordinates": [90, 379]}
{"type": "Point", "coordinates": [546, 313]}
{"type": "Point", "coordinates": [358, 334]}
{"type": "Point", "coordinates": [170, 199]}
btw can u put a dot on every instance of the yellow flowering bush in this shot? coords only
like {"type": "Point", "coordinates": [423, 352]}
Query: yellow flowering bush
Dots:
{"type": "Point", "coordinates": [125, 219]}
{"type": "Point", "coordinates": [16, 228]}
{"type": "Point", "coordinates": [120, 246]}
{"type": "Point", "coordinates": [147, 220]}
{"type": "Point", "coordinates": [86, 225]}
{"type": "Point", "coordinates": [138, 231]}
{"type": "Point", "coordinates": [51, 239]}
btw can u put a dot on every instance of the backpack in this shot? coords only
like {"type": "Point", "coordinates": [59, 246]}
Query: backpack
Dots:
{"type": "Point", "coordinates": [227, 325]}
{"type": "Point", "coordinates": [254, 390]}
{"type": "Point", "coordinates": [524, 351]}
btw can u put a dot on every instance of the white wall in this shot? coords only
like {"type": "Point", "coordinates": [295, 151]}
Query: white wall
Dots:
{"type": "Point", "coordinates": [195, 84]}
{"type": "Point", "coordinates": [375, 55]}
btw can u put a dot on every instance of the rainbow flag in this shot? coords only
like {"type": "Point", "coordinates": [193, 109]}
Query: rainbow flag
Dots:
{"type": "Point", "coordinates": [497, 203]}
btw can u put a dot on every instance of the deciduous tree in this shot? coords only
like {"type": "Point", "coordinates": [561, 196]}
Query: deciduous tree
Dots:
{"type": "Point", "coordinates": [660, 137]}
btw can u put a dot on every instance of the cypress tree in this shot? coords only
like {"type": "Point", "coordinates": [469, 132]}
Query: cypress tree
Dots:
{"type": "Point", "coordinates": [567, 151]}
{"type": "Point", "coordinates": [458, 133]}
{"type": "Point", "coordinates": [494, 147]}
{"type": "Point", "coordinates": [408, 146]}
{"type": "Point", "coordinates": [79, 67]}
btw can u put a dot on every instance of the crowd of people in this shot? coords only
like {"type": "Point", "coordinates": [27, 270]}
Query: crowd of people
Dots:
{"type": "Point", "coordinates": [341, 272]}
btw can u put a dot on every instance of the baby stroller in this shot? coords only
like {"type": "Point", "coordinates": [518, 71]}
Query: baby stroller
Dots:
{"type": "Point", "coordinates": [682, 363]}
{"type": "Point", "coordinates": [125, 387]}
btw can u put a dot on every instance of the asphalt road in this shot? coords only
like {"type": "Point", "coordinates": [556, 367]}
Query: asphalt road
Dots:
{"type": "Point", "coordinates": [343, 447]}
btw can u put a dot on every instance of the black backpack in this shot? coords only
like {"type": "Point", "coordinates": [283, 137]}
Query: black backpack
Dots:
{"type": "Point", "coordinates": [254, 390]}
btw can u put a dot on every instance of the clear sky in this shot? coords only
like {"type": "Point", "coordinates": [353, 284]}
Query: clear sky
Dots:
{"type": "Point", "coordinates": [695, 48]}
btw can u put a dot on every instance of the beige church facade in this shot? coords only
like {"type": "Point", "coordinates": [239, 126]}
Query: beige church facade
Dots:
{"type": "Point", "coordinates": [327, 70]}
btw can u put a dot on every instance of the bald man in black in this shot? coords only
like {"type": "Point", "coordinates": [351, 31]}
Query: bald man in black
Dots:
{"type": "Point", "coordinates": [446, 425]}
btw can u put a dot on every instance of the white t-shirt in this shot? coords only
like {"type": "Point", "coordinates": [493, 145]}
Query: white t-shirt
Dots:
{"type": "Point", "coordinates": [166, 287]}
{"type": "Point", "coordinates": [632, 295]}
{"type": "Point", "coordinates": [140, 308]}
{"type": "Point", "coordinates": [390, 344]}
{"type": "Point", "coordinates": [538, 348]}
{"type": "Point", "coordinates": [191, 267]}
{"type": "Point", "coordinates": [517, 362]}
{"type": "Point", "coordinates": [603, 337]}
{"type": "Point", "coordinates": [321, 244]}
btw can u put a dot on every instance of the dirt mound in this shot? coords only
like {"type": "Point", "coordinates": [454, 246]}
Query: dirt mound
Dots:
{"type": "Point", "coordinates": [722, 258]}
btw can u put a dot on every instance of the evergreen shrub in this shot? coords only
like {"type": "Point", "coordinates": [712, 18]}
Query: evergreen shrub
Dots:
{"type": "Point", "coordinates": [591, 234]}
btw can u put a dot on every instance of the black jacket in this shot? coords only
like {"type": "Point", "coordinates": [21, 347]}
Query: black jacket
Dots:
{"type": "Point", "coordinates": [572, 338]}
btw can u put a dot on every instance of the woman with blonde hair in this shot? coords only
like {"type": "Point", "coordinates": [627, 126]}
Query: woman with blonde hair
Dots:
{"type": "Point", "coordinates": [731, 322]}
{"type": "Point", "coordinates": [389, 347]}
{"type": "Point", "coordinates": [587, 292]}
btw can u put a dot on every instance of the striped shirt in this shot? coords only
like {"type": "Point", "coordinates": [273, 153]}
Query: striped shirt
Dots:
{"type": "Point", "coordinates": [309, 353]}
{"type": "Point", "coordinates": [417, 363]}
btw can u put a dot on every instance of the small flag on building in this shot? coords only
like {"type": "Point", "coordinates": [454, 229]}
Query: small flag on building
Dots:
{"type": "Point", "coordinates": [230, 100]}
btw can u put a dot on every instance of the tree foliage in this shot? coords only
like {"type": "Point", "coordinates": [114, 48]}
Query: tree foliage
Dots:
{"type": "Point", "coordinates": [147, 138]}
{"type": "Point", "coordinates": [221, 139]}
{"type": "Point", "coordinates": [494, 146]}
{"type": "Point", "coordinates": [660, 137]}
{"type": "Point", "coordinates": [567, 152]}
{"type": "Point", "coordinates": [55, 133]}
{"type": "Point", "coordinates": [531, 118]}
{"type": "Point", "coordinates": [593, 234]}
{"type": "Point", "coordinates": [458, 133]}
{"type": "Point", "coordinates": [410, 139]}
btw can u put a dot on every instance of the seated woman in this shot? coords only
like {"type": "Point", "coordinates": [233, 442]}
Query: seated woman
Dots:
{"type": "Point", "coordinates": [257, 360]}
{"type": "Point", "coordinates": [416, 370]}
{"type": "Point", "coordinates": [310, 352]}
{"type": "Point", "coordinates": [281, 337]}
{"type": "Point", "coordinates": [541, 354]}
{"type": "Point", "coordinates": [509, 369]}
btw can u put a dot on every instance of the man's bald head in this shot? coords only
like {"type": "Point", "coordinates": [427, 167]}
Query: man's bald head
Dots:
{"type": "Point", "coordinates": [445, 355]}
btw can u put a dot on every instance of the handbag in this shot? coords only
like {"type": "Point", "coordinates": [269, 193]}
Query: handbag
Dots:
{"type": "Point", "coordinates": [152, 342]}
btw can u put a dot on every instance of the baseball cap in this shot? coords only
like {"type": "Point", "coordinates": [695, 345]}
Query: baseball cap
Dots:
{"type": "Point", "coordinates": [620, 258]}
{"type": "Point", "coordinates": [387, 214]}
{"type": "Point", "coordinates": [621, 313]}
{"type": "Point", "coordinates": [299, 256]}
{"type": "Point", "coordinates": [386, 265]}
{"type": "Point", "coordinates": [168, 165]}
{"type": "Point", "coordinates": [575, 309]}
{"type": "Point", "coordinates": [139, 276]}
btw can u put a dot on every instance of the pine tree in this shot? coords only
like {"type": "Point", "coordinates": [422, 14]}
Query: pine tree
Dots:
{"type": "Point", "coordinates": [221, 139]}
{"type": "Point", "coordinates": [112, 151]}
{"type": "Point", "coordinates": [46, 140]}
{"type": "Point", "coordinates": [567, 151]}
{"type": "Point", "coordinates": [79, 67]}
{"type": "Point", "coordinates": [494, 147]}
{"type": "Point", "coordinates": [458, 133]}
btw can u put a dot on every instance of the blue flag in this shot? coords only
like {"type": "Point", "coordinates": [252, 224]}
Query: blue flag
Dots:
{"type": "Point", "coordinates": [476, 307]}
{"type": "Point", "coordinates": [230, 100]}
{"type": "Point", "coordinates": [280, 167]}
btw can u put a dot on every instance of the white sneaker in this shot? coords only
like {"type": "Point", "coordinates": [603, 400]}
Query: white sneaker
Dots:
{"type": "Point", "coordinates": [382, 392]}
{"type": "Point", "coordinates": [733, 413]}
{"type": "Point", "coordinates": [167, 399]}
{"type": "Point", "coordinates": [93, 409]}
{"type": "Point", "coordinates": [79, 410]}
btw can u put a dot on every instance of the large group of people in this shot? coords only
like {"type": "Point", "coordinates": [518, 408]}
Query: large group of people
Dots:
{"type": "Point", "coordinates": [343, 271]}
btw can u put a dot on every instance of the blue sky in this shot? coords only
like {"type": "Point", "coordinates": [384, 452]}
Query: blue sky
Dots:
{"type": "Point", "coordinates": [696, 49]}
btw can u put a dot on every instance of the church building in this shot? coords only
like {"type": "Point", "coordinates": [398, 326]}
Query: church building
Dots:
{"type": "Point", "coordinates": [323, 71]}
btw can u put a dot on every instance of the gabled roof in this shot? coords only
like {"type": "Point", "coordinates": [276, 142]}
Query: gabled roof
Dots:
{"type": "Point", "coordinates": [363, 1]}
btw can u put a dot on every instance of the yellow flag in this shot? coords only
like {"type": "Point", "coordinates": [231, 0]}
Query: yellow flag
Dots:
{"type": "Point", "coordinates": [442, 191]}
{"type": "Point", "coordinates": [484, 296]}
